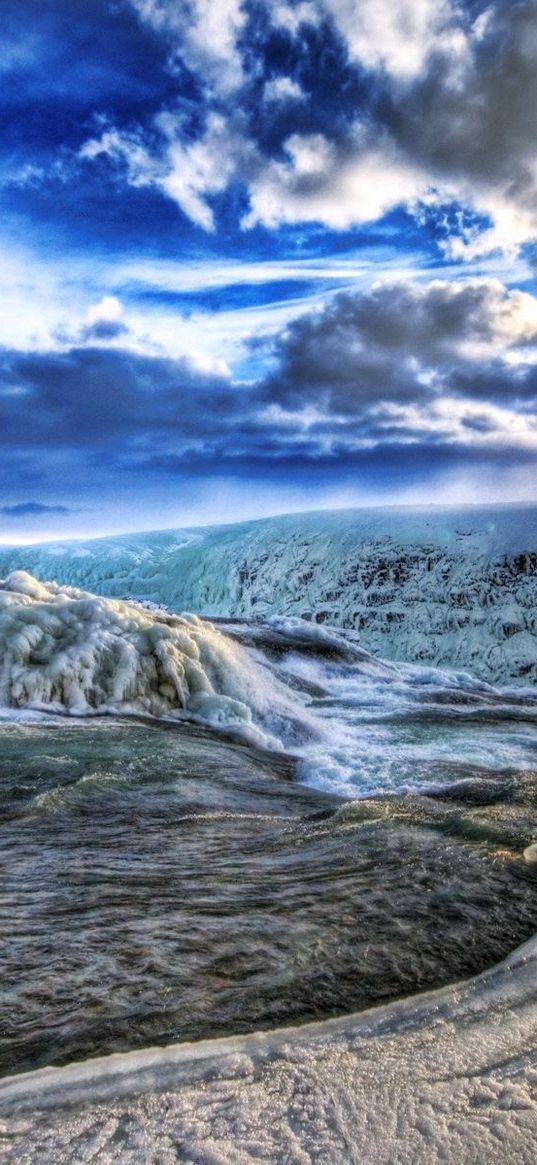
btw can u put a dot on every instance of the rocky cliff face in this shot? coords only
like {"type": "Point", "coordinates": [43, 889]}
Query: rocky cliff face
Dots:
{"type": "Point", "coordinates": [449, 587]}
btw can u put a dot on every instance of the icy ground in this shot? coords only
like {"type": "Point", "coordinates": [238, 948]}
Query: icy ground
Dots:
{"type": "Point", "coordinates": [449, 1077]}
{"type": "Point", "coordinates": [453, 587]}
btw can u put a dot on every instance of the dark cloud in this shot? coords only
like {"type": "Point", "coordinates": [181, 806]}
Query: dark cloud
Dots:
{"type": "Point", "coordinates": [406, 343]}
{"type": "Point", "coordinates": [96, 397]}
{"type": "Point", "coordinates": [32, 509]}
{"type": "Point", "coordinates": [470, 118]}
{"type": "Point", "coordinates": [388, 381]}
{"type": "Point", "coordinates": [368, 368]}
{"type": "Point", "coordinates": [104, 330]}
{"type": "Point", "coordinates": [387, 465]}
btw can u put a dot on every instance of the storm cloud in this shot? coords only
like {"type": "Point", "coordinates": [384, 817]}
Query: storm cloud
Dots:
{"type": "Point", "coordinates": [445, 364]}
{"type": "Point", "coordinates": [407, 343]}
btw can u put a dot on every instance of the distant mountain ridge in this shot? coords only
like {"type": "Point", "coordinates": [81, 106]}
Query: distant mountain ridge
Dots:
{"type": "Point", "coordinates": [449, 586]}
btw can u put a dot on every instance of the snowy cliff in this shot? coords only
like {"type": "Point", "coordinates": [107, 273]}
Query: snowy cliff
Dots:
{"type": "Point", "coordinates": [447, 586]}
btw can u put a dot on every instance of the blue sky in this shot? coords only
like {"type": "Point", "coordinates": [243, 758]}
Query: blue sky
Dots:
{"type": "Point", "coordinates": [263, 256]}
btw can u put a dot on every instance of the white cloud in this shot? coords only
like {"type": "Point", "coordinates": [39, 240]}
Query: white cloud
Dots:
{"type": "Point", "coordinates": [320, 182]}
{"type": "Point", "coordinates": [293, 16]}
{"type": "Point", "coordinates": [199, 169]}
{"type": "Point", "coordinates": [512, 224]}
{"type": "Point", "coordinates": [479, 425]}
{"type": "Point", "coordinates": [397, 36]}
{"type": "Point", "coordinates": [203, 34]}
{"type": "Point", "coordinates": [187, 172]}
{"type": "Point", "coordinates": [142, 167]}
{"type": "Point", "coordinates": [108, 310]}
{"type": "Point", "coordinates": [283, 89]}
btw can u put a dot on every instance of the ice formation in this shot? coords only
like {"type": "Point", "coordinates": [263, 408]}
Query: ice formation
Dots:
{"type": "Point", "coordinates": [452, 587]}
{"type": "Point", "coordinates": [280, 683]}
{"type": "Point", "coordinates": [65, 650]}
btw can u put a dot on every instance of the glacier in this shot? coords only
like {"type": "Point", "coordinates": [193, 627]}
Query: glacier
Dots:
{"type": "Point", "coordinates": [451, 587]}
{"type": "Point", "coordinates": [355, 724]}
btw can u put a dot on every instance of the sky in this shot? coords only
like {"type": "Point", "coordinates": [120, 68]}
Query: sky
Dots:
{"type": "Point", "coordinates": [263, 256]}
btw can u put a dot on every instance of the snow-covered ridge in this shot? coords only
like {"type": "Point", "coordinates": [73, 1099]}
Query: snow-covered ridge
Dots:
{"type": "Point", "coordinates": [453, 587]}
{"type": "Point", "coordinates": [64, 650]}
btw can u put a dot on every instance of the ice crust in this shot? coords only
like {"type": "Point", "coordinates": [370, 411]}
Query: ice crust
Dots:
{"type": "Point", "coordinates": [448, 1077]}
{"type": "Point", "coordinates": [452, 587]}
{"type": "Point", "coordinates": [65, 650]}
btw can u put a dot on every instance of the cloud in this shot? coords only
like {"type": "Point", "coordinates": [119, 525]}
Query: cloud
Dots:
{"type": "Point", "coordinates": [465, 122]}
{"type": "Point", "coordinates": [104, 320]}
{"type": "Point", "coordinates": [447, 123]}
{"type": "Point", "coordinates": [188, 172]}
{"type": "Point", "coordinates": [451, 365]}
{"type": "Point", "coordinates": [397, 37]}
{"type": "Point", "coordinates": [293, 16]}
{"type": "Point", "coordinates": [338, 184]}
{"type": "Point", "coordinates": [404, 341]}
{"type": "Point", "coordinates": [202, 35]}
{"type": "Point", "coordinates": [283, 89]}
{"type": "Point", "coordinates": [447, 363]}
{"type": "Point", "coordinates": [32, 509]}
{"type": "Point", "coordinates": [443, 118]}
{"type": "Point", "coordinates": [99, 398]}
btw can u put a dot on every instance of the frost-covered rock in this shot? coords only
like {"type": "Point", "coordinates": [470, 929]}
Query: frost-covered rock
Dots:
{"type": "Point", "coordinates": [66, 650]}
{"type": "Point", "coordinates": [451, 587]}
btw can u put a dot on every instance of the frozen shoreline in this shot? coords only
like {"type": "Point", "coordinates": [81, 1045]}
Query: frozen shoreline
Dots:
{"type": "Point", "coordinates": [449, 1076]}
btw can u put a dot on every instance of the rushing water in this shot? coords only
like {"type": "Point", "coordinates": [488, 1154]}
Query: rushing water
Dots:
{"type": "Point", "coordinates": [377, 727]}
{"type": "Point", "coordinates": [207, 831]}
{"type": "Point", "coordinates": [162, 883]}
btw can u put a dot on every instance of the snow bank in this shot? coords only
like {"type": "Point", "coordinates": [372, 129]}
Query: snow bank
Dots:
{"type": "Point", "coordinates": [66, 650]}
{"type": "Point", "coordinates": [452, 587]}
{"type": "Point", "coordinates": [447, 1077]}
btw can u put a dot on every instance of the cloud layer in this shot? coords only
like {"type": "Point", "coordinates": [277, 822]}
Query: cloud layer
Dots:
{"type": "Point", "coordinates": [433, 112]}
{"type": "Point", "coordinates": [402, 372]}
{"type": "Point", "coordinates": [184, 184]}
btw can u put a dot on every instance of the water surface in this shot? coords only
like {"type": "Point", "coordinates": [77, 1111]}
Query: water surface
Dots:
{"type": "Point", "coordinates": [161, 884]}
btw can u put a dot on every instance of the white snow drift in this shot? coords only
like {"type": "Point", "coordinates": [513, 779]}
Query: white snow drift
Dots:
{"type": "Point", "coordinates": [65, 650]}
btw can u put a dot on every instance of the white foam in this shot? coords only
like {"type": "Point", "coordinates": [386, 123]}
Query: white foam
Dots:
{"type": "Point", "coordinates": [391, 728]}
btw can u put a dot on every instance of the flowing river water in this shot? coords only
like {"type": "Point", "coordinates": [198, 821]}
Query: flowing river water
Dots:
{"type": "Point", "coordinates": [166, 881]}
